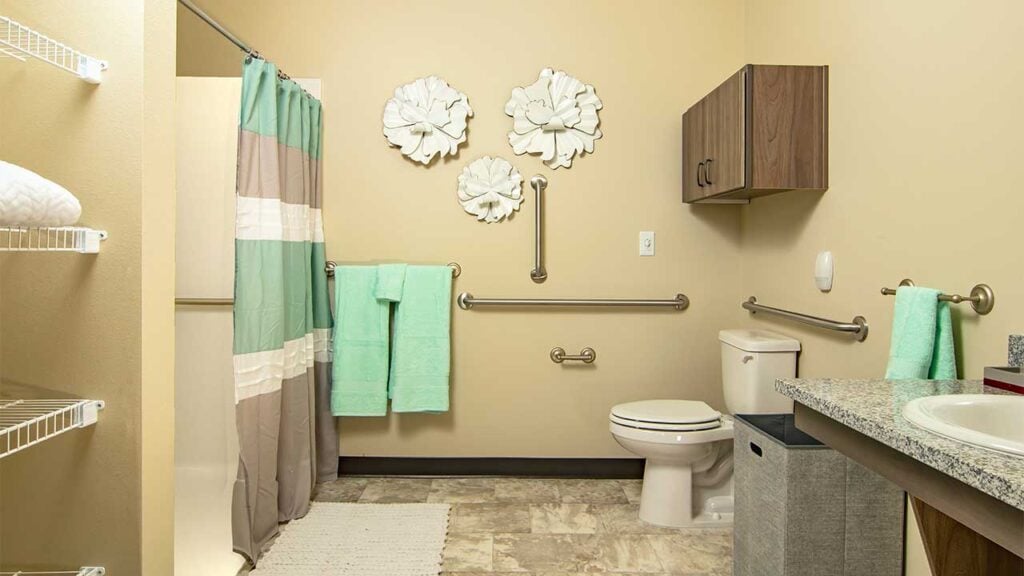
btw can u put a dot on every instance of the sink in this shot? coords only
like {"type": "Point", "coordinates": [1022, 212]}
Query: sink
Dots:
{"type": "Point", "coordinates": [993, 421]}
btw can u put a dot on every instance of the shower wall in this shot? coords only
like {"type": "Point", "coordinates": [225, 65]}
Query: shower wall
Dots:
{"type": "Point", "coordinates": [206, 445]}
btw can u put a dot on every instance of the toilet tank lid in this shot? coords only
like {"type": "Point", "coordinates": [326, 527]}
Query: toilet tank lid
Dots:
{"type": "Point", "coordinates": [758, 341]}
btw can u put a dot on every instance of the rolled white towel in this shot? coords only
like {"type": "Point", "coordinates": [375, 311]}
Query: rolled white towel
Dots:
{"type": "Point", "coordinates": [28, 199]}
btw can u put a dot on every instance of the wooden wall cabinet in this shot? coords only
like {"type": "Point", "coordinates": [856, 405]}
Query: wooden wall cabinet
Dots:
{"type": "Point", "coordinates": [762, 131]}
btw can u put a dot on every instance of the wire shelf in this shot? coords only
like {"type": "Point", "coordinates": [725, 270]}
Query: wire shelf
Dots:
{"type": "Point", "coordinates": [25, 423]}
{"type": "Point", "coordinates": [21, 42]}
{"type": "Point", "coordinates": [46, 239]}
{"type": "Point", "coordinates": [84, 571]}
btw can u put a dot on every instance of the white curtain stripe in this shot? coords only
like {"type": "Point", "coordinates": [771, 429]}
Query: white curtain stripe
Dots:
{"type": "Point", "coordinates": [272, 219]}
{"type": "Point", "coordinates": [262, 372]}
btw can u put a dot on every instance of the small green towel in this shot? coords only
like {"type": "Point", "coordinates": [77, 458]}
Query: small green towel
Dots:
{"type": "Point", "coordinates": [360, 371]}
{"type": "Point", "coordinates": [390, 281]}
{"type": "Point", "coordinates": [922, 337]}
{"type": "Point", "coordinates": [421, 360]}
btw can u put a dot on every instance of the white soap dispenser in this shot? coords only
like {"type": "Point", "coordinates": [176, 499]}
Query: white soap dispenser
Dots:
{"type": "Point", "coordinates": [824, 269]}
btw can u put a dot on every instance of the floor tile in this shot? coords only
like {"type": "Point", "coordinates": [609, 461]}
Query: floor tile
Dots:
{"type": "Point", "coordinates": [510, 518]}
{"type": "Point", "coordinates": [615, 553]}
{"type": "Point", "coordinates": [591, 491]}
{"type": "Point", "coordinates": [536, 553]}
{"type": "Point", "coordinates": [341, 490]}
{"type": "Point", "coordinates": [625, 519]}
{"type": "Point", "coordinates": [562, 519]}
{"type": "Point", "coordinates": [695, 552]}
{"type": "Point", "coordinates": [468, 553]}
{"type": "Point", "coordinates": [632, 488]}
{"type": "Point", "coordinates": [396, 490]}
{"type": "Point", "coordinates": [529, 490]}
{"type": "Point", "coordinates": [462, 490]}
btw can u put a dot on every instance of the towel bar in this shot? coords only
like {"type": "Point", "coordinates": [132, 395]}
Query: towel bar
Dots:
{"type": "Point", "coordinates": [982, 298]}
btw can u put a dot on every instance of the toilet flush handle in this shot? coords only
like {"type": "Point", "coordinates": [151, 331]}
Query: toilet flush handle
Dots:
{"type": "Point", "coordinates": [747, 359]}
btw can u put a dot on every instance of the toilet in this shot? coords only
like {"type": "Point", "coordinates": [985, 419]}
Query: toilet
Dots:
{"type": "Point", "coordinates": [688, 444]}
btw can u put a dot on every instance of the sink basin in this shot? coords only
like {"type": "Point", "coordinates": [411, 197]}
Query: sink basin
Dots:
{"type": "Point", "coordinates": [992, 421]}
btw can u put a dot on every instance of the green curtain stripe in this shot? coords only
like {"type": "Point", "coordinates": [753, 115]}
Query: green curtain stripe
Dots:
{"type": "Point", "coordinates": [259, 102]}
{"type": "Point", "coordinates": [273, 295]}
{"type": "Point", "coordinates": [321, 304]}
{"type": "Point", "coordinates": [282, 109]}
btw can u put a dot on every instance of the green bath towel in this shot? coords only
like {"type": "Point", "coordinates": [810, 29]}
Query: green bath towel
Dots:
{"type": "Point", "coordinates": [360, 344]}
{"type": "Point", "coordinates": [421, 360]}
{"type": "Point", "coordinates": [922, 337]}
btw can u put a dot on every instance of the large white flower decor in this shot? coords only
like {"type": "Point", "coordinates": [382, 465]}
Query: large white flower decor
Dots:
{"type": "Point", "coordinates": [426, 117]}
{"type": "Point", "coordinates": [555, 117]}
{"type": "Point", "coordinates": [490, 189]}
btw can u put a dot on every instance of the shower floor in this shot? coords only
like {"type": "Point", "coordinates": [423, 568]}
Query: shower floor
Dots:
{"type": "Point", "coordinates": [547, 526]}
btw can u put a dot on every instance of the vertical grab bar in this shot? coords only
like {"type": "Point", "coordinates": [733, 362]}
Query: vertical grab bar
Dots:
{"type": "Point", "coordinates": [538, 274]}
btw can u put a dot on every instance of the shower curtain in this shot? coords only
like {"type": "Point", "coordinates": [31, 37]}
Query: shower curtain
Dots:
{"type": "Point", "coordinates": [282, 318]}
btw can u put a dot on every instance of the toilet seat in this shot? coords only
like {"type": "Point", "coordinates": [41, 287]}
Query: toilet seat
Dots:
{"type": "Point", "coordinates": [666, 415]}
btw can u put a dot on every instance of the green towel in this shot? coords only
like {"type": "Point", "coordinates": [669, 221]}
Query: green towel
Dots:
{"type": "Point", "coordinates": [421, 360]}
{"type": "Point", "coordinates": [360, 370]}
{"type": "Point", "coordinates": [922, 337]}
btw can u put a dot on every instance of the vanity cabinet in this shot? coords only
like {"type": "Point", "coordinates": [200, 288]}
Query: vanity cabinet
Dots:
{"type": "Point", "coordinates": [762, 131]}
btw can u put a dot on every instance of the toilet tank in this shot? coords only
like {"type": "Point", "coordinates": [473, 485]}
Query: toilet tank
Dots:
{"type": "Point", "coordinates": [751, 362]}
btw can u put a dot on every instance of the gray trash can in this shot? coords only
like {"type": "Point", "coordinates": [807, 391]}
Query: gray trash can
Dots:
{"type": "Point", "coordinates": [803, 509]}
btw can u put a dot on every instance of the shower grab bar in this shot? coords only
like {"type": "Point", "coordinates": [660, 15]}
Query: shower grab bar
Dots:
{"type": "Point", "coordinates": [859, 326]}
{"type": "Point", "coordinates": [328, 268]}
{"type": "Point", "coordinates": [467, 301]}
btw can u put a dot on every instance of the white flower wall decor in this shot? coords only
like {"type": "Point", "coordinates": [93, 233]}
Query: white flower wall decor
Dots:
{"type": "Point", "coordinates": [425, 118]}
{"type": "Point", "coordinates": [490, 189]}
{"type": "Point", "coordinates": [555, 117]}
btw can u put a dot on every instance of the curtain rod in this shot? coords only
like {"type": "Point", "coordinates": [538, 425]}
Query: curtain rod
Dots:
{"type": "Point", "coordinates": [226, 33]}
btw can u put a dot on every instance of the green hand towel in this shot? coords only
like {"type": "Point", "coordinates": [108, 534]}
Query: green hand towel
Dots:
{"type": "Point", "coordinates": [922, 337]}
{"type": "Point", "coordinates": [390, 280]}
{"type": "Point", "coordinates": [421, 360]}
{"type": "Point", "coordinates": [360, 369]}
{"type": "Point", "coordinates": [944, 356]}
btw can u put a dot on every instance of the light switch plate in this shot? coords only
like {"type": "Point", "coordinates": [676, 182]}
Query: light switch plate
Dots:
{"type": "Point", "coordinates": [647, 243]}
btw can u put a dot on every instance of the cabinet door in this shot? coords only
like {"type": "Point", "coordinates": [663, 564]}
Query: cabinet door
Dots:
{"type": "Point", "coordinates": [725, 119]}
{"type": "Point", "coordinates": [693, 152]}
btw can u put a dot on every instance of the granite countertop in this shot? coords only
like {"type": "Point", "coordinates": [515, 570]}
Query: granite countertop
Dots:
{"type": "Point", "coordinates": [875, 409]}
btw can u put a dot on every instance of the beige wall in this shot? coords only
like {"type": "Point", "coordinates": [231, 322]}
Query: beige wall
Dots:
{"type": "Point", "coordinates": [925, 125]}
{"type": "Point", "coordinates": [73, 325]}
{"type": "Point", "coordinates": [509, 399]}
{"type": "Point", "coordinates": [921, 120]}
{"type": "Point", "coordinates": [925, 128]}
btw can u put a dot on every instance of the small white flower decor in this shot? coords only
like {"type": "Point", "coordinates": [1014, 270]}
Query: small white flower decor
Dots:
{"type": "Point", "coordinates": [426, 117]}
{"type": "Point", "coordinates": [490, 189]}
{"type": "Point", "coordinates": [555, 117]}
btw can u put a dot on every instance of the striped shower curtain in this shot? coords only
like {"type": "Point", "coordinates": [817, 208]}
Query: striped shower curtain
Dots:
{"type": "Point", "coordinates": [282, 318]}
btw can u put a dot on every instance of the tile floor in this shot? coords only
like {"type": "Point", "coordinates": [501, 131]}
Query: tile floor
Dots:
{"type": "Point", "coordinates": [548, 527]}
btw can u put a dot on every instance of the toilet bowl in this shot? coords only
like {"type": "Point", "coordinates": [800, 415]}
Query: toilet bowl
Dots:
{"type": "Point", "coordinates": [688, 445]}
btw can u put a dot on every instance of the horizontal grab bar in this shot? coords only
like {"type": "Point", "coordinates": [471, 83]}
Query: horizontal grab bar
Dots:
{"type": "Point", "coordinates": [859, 326]}
{"type": "Point", "coordinates": [467, 301]}
{"type": "Point", "coordinates": [587, 356]}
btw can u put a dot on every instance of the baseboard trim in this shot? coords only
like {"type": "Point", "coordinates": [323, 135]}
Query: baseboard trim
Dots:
{"type": "Point", "coordinates": [616, 468]}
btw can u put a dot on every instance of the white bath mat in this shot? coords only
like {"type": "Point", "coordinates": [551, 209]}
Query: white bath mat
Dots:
{"type": "Point", "coordinates": [337, 539]}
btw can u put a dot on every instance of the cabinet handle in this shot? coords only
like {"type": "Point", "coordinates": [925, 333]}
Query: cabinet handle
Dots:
{"type": "Point", "coordinates": [700, 181]}
{"type": "Point", "coordinates": [707, 171]}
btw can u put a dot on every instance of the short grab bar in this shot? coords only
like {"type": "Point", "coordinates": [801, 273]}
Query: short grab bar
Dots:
{"type": "Point", "coordinates": [587, 356]}
{"type": "Point", "coordinates": [859, 326]}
